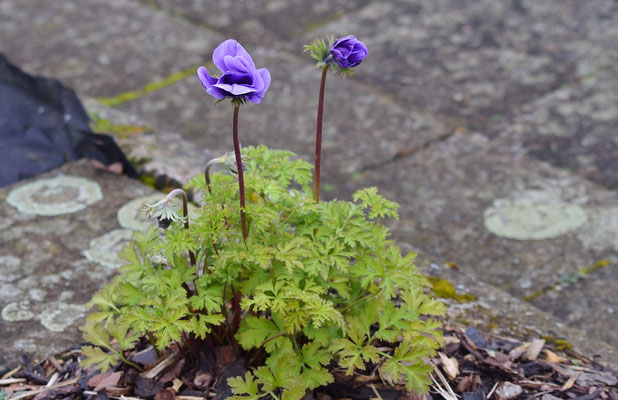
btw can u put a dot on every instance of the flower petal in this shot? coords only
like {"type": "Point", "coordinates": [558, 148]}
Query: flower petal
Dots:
{"type": "Point", "coordinates": [206, 79]}
{"type": "Point", "coordinates": [265, 74]}
{"type": "Point", "coordinates": [234, 64]}
{"type": "Point", "coordinates": [232, 48]}
{"type": "Point", "coordinates": [234, 89]}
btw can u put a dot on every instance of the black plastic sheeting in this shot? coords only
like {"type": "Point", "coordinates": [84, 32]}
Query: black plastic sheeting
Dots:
{"type": "Point", "coordinates": [44, 125]}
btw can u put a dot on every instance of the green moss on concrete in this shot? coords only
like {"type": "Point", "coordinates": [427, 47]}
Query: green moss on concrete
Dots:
{"type": "Point", "coordinates": [102, 125]}
{"type": "Point", "coordinates": [132, 95]}
{"type": "Point", "coordinates": [445, 290]}
{"type": "Point", "coordinates": [559, 344]}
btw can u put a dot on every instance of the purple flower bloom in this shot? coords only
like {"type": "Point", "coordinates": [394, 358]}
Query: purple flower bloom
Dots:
{"type": "Point", "coordinates": [348, 51]}
{"type": "Point", "coordinates": [239, 77]}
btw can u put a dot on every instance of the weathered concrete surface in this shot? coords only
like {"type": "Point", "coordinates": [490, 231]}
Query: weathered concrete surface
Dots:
{"type": "Point", "coordinates": [271, 21]}
{"type": "Point", "coordinates": [449, 191]}
{"type": "Point", "coordinates": [360, 128]}
{"type": "Point", "coordinates": [474, 60]}
{"type": "Point", "coordinates": [161, 151]}
{"type": "Point", "coordinates": [100, 48]}
{"type": "Point", "coordinates": [475, 63]}
{"type": "Point", "coordinates": [45, 274]}
{"type": "Point", "coordinates": [573, 127]}
{"type": "Point", "coordinates": [537, 78]}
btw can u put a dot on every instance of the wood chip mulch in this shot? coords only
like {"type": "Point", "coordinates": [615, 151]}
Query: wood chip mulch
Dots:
{"type": "Point", "coordinates": [468, 367]}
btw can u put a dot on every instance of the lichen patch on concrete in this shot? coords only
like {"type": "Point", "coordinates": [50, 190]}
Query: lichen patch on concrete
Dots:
{"type": "Point", "coordinates": [55, 196]}
{"type": "Point", "coordinates": [601, 231]}
{"type": "Point", "coordinates": [104, 249]}
{"type": "Point", "coordinates": [535, 215]}
{"type": "Point", "coordinates": [17, 311]}
{"type": "Point", "coordinates": [57, 316]}
{"type": "Point", "coordinates": [9, 265]}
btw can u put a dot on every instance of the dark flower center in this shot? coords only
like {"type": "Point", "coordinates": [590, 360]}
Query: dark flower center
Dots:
{"type": "Point", "coordinates": [231, 78]}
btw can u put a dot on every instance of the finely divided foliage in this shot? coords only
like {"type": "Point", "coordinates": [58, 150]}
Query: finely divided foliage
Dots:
{"type": "Point", "coordinates": [322, 285]}
{"type": "Point", "coordinates": [303, 290]}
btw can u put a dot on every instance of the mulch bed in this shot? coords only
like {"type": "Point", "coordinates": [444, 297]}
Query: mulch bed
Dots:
{"type": "Point", "coordinates": [469, 367]}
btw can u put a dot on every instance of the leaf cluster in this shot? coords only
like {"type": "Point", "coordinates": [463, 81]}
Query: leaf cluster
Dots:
{"type": "Point", "coordinates": [316, 288]}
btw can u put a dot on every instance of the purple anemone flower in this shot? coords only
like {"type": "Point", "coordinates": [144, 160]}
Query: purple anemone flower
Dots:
{"type": "Point", "coordinates": [348, 51]}
{"type": "Point", "coordinates": [239, 76]}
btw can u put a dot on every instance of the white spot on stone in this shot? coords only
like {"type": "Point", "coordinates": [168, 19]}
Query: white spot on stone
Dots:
{"type": "Point", "coordinates": [104, 249]}
{"type": "Point", "coordinates": [9, 268]}
{"type": "Point", "coordinates": [37, 294]}
{"type": "Point", "coordinates": [9, 292]}
{"type": "Point", "coordinates": [601, 232]}
{"type": "Point", "coordinates": [17, 311]}
{"type": "Point", "coordinates": [55, 196]}
{"type": "Point", "coordinates": [130, 216]}
{"type": "Point", "coordinates": [66, 295]}
{"type": "Point", "coordinates": [57, 316]}
{"type": "Point", "coordinates": [50, 279]}
{"type": "Point", "coordinates": [535, 215]}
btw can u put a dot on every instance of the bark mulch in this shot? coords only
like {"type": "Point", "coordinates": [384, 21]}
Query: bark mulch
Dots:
{"type": "Point", "coordinates": [470, 366]}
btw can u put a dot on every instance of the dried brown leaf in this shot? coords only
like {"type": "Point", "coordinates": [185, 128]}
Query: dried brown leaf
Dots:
{"type": "Point", "coordinates": [449, 365]}
{"type": "Point", "coordinates": [534, 349]}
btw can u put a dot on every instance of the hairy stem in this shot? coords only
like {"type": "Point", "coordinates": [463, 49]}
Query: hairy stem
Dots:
{"type": "Point", "coordinates": [241, 179]}
{"type": "Point", "coordinates": [318, 137]}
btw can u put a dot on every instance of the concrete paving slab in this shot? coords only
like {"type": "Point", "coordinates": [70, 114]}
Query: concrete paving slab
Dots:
{"type": "Point", "coordinates": [574, 128]}
{"type": "Point", "coordinates": [52, 263]}
{"type": "Point", "coordinates": [511, 221]}
{"type": "Point", "coordinates": [471, 61]}
{"type": "Point", "coordinates": [157, 152]}
{"type": "Point", "coordinates": [100, 48]}
{"type": "Point", "coordinates": [360, 127]}
{"type": "Point", "coordinates": [259, 22]}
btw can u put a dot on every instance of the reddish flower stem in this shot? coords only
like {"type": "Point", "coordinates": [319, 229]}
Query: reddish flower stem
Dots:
{"type": "Point", "coordinates": [241, 179]}
{"type": "Point", "coordinates": [318, 137]}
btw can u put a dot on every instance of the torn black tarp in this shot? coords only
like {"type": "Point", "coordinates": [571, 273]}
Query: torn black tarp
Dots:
{"type": "Point", "coordinates": [44, 125]}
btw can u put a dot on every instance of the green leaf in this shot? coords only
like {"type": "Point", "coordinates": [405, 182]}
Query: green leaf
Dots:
{"type": "Point", "coordinates": [97, 357]}
{"type": "Point", "coordinates": [314, 378]}
{"type": "Point", "coordinates": [407, 363]}
{"type": "Point", "coordinates": [350, 355]}
{"type": "Point", "coordinates": [255, 331]}
{"type": "Point", "coordinates": [200, 323]}
{"type": "Point", "coordinates": [246, 387]}
{"type": "Point", "coordinates": [96, 335]}
{"type": "Point", "coordinates": [379, 207]}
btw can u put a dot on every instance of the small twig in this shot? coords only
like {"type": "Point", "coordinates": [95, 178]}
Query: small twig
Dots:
{"type": "Point", "coordinates": [372, 386]}
{"type": "Point", "coordinates": [539, 394]}
{"type": "Point", "coordinates": [446, 393]}
{"type": "Point", "coordinates": [53, 379]}
{"type": "Point", "coordinates": [53, 361]}
{"type": "Point", "coordinates": [11, 372]}
{"type": "Point", "coordinates": [493, 389]}
{"type": "Point", "coordinates": [9, 381]}
{"type": "Point", "coordinates": [164, 364]}
{"type": "Point", "coordinates": [45, 389]}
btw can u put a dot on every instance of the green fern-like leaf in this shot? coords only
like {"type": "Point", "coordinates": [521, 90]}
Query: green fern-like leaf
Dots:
{"type": "Point", "coordinates": [244, 388]}
{"type": "Point", "coordinates": [97, 357]}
